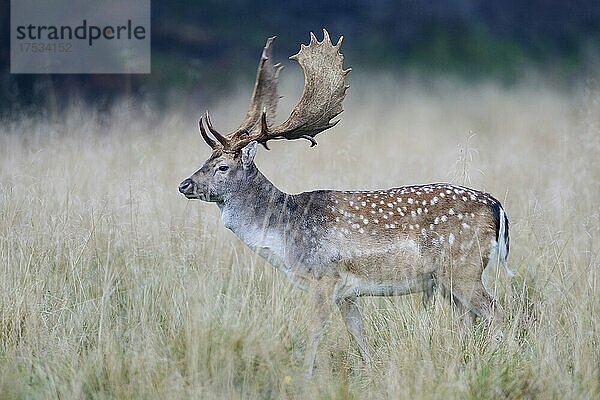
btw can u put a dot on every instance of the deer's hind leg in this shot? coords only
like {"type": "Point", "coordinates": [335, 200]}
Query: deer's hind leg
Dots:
{"type": "Point", "coordinates": [463, 285]}
{"type": "Point", "coordinates": [467, 289]}
{"type": "Point", "coordinates": [464, 313]}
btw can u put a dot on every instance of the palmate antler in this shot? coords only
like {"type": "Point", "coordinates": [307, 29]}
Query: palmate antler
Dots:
{"type": "Point", "coordinates": [324, 91]}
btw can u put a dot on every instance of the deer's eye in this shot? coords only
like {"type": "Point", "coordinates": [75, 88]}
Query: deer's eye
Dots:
{"type": "Point", "coordinates": [223, 168]}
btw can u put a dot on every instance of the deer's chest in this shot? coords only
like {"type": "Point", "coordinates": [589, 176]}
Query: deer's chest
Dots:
{"type": "Point", "coordinates": [266, 242]}
{"type": "Point", "coordinates": [271, 247]}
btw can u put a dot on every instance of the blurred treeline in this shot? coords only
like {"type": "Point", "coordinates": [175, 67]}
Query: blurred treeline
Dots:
{"type": "Point", "coordinates": [205, 48]}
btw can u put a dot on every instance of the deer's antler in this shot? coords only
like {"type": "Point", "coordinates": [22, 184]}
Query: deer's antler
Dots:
{"type": "Point", "coordinates": [324, 91]}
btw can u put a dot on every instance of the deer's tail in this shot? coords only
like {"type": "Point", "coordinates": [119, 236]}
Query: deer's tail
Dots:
{"type": "Point", "coordinates": [500, 250]}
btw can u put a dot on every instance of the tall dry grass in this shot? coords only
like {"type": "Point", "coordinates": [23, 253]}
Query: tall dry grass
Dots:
{"type": "Point", "coordinates": [112, 285]}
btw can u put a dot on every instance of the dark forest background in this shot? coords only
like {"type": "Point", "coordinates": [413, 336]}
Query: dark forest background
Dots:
{"type": "Point", "coordinates": [204, 48]}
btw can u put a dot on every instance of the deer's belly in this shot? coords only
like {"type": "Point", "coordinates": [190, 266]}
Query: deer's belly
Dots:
{"type": "Point", "coordinates": [351, 285]}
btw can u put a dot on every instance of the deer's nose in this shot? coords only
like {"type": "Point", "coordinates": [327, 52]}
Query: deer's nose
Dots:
{"type": "Point", "coordinates": [186, 187]}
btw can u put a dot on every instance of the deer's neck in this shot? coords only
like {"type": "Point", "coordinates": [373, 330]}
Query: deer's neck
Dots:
{"type": "Point", "coordinates": [257, 211]}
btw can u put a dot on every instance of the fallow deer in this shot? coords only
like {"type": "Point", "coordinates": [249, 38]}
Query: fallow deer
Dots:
{"type": "Point", "coordinates": [340, 245]}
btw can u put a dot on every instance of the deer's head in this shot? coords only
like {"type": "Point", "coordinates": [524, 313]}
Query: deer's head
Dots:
{"type": "Point", "coordinates": [231, 163]}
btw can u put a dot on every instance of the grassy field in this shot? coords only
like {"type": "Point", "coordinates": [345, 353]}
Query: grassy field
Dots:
{"type": "Point", "coordinates": [113, 285]}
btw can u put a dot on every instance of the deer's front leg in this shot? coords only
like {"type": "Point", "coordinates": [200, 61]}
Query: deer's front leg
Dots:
{"type": "Point", "coordinates": [320, 305]}
{"type": "Point", "coordinates": [354, 323]}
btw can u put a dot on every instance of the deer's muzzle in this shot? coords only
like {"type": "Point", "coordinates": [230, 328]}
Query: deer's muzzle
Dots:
{"type": "Point", "coordinates": [188, 189]}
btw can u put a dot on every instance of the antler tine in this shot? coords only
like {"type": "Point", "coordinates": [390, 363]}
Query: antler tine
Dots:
{"type": "Point", "coordinates": [264, 129]}
{"type": "Point", "coordinates": [205, 136]}
{"type": "Point", "coordinates": [222, 139]}
{"type": "Point", "coordinates": [265, 94]}
{"type": "Point", "coordinates": [326, 36]}
{"type": "Point", "coordinates": [324, 92]}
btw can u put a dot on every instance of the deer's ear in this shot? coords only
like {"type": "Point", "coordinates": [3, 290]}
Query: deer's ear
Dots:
{"type": "Point", "coordinates": [248, 153]}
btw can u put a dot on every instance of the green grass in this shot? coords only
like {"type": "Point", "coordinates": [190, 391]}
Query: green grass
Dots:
{"type": "Point", "coordinates": [112, 285]}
